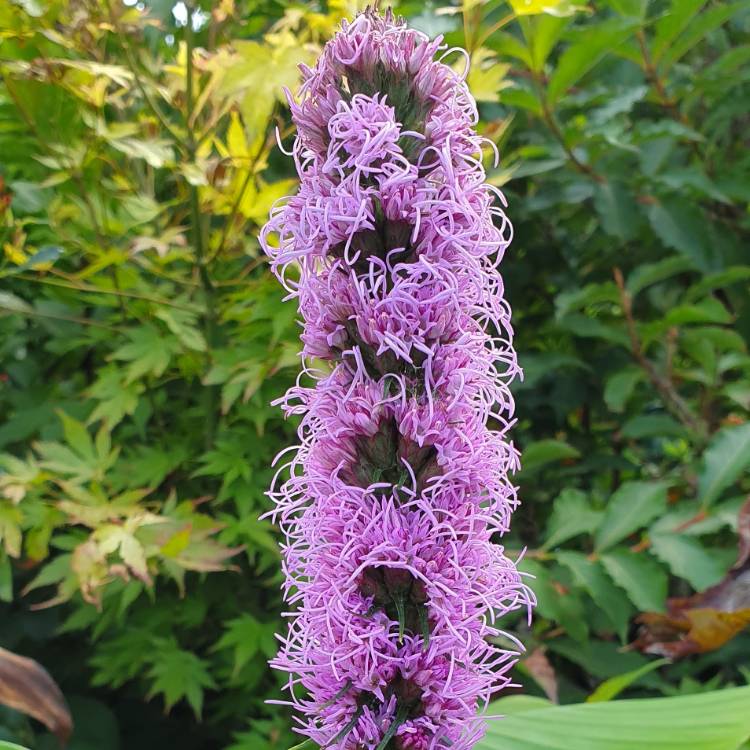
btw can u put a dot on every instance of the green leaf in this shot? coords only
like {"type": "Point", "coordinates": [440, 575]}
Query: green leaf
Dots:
{"type": "Point", "coordinates": [306, 745]}
{"type": "Point", "coordinates": [243, 637]}
{"type": "Point", "coordinates": [599, 658]}
{"type": "Point", "coordinates": [718, 280]}
{"type": "Point", "coordinates": [688, 559]}
{"type": "Point", "coordinates": [672, 24]}
{"type": "Point", "coordinates": [652, 425]}
{"type": "Point", "coordinates": [117, 398]}
{"type": "Point", "coordinates": [178, 674]}
{"type": "Point", "coordinates": [635, 8]}
{"type": "Point", "coordinates": [149, 353]}
{"type": "Point", "coordinates": [6, 577]}
{"type": "Point", "coordinates": [77, 437]}
{"type": "Point", "coordinates": [566, 610]}
{"type": "Point", "coordinates": [544, 452]}
{"type": "Point", "coordinates": [571, 515]}
{"type": "Point", "coordinates": [725, 459]}
{"type": "Point", "coordinates": [619, 388]}
{"type": "Point", "coordinates": [588, 327]}
{"type": "Point", "coordinates": [617, 209]}
{"type": "Point", "coordinates": [590, 576]}
{"type": "Point", "coordinates": [641, 577]}
{"type": "Point", "coordinates": [11, 746]}
{"type": "Point", "coordinates": [681, 226]}
{"type": "Point", "coordinates": [632, 506]}
{"type": "Point", "coordinates": [718, 720]}
{"type": "Point", "coordinates": [542, 33]}
{"type": "Point", "coordinates": [709, 310]}
{"type": "Point", "coordinates": [702, 25]}
{"type": "Point", "coordinates": [183, 325]}
{"type": "Point", "coordinates": [583, 55]}
{"type": "Point", "coordinates": [652, 273]}
{"type": "Point", "coordinates": [612, 687]}
{"type": "Point", "coordinates": [154, 152]}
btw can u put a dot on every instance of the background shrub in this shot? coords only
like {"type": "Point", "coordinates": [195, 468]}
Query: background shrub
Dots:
{"type": "Point", "coordinates": [142, 339]}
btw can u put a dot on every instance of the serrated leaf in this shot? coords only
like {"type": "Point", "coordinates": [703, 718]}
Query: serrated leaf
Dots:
{"type": "Point", "coordinates": [641, 577]}
{"type": "Point", "coordinates": [632, 506]}
{"type": "Point", "coordinates": [681, 226]}
{"type": "Point", "coordinates": [177, 674]}
{"type": "Point", "coordinates": [590, 575]}
{"type": "Point", "coordinates": [183, 325]}
{"type": "Point", "coordinates": [725, 459]}
{"type": "Point", "coordinates": [571, 515]}
{"type": "Point", "coordinates": [688, 559]}
{"type": "Point", "coordinates": [242, 635]}
{"type": "Point", "coordinates": [148, 353]}
{"type": "Point", "coordinates": [566, 610]}
{"type": "Point", "coordinates": [487, 76]}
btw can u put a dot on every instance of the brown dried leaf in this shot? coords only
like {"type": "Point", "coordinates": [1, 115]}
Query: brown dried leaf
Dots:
{"type": "Point", "coordinates": [27, 687]}
{"type": "Point", "coordinates": [543, 672]}
{"type": "Point", "coordinates": [705, 621]}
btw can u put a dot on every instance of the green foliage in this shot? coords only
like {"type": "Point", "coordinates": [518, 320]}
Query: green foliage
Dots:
{"type": "Point", "coordinates": [628, 281]}
{"type": "Point", "coordinates": [142, 340]}
{"type": "Point", "coordinates": [709, 721]}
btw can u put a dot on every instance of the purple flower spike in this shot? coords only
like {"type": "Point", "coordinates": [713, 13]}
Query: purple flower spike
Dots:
{"type": "Point", "coordinates": [392, 500]}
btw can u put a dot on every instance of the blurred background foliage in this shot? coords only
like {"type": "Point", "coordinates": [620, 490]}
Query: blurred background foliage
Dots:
{"type": "Point", "coordinates": [142, 339]}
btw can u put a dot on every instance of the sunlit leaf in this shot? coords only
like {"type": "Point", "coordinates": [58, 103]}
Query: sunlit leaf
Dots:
{"type": "Point", "coordinates": [719, 720]}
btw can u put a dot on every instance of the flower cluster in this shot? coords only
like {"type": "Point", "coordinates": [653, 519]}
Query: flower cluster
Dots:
{"type": "Point", "coordinates": [393, 501]}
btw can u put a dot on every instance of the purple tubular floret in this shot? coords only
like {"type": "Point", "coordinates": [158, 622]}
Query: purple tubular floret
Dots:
{"type": "Point", "coordinates": [392, 503]}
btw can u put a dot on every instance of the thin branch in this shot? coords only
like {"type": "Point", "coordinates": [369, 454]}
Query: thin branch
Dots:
{"type": "Point", "coordinates": [65, 318]}
{"type": "Point", "coordinates": [549, 119]}
{"type": "Point", "coordinates": [240, 195]}
{"type": "Point", "coordinates": [504, 21]}
{"type": "Point", "coordinates": [653, 77]}
{"type": "Point", "coordinates": [113, 292]}
{"type": "Point", "coordinates": [209, 318]}
{"type": "Point", "coordinates": [672, 400]}
{"type": "Point", "coordinates": [132, 64]}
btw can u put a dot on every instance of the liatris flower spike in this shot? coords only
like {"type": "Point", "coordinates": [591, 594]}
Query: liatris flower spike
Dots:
{"type": "Point", "coordinates": [391, 503]}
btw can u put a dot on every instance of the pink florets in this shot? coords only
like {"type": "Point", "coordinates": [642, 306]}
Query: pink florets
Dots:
{"type": "Point", "coordinates": [394, 498]}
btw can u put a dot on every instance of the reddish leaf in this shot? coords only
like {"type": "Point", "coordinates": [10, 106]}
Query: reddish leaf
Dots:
{"type": "Point", "coordinates": [705, 621]}
{"type": "Point", "coordinates": [26, 686]}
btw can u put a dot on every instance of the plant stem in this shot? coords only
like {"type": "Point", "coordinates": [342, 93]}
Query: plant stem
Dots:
{"type": "Point", "coordinates": [197, 226]}
{"type": "Point", "coordinates": [672, 400]}
{"type": "Point", "coordinates": [549, 119]}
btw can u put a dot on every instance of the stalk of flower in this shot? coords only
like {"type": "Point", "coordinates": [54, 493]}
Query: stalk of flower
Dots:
{"type": "Point", "coordinates": [392, 503]}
